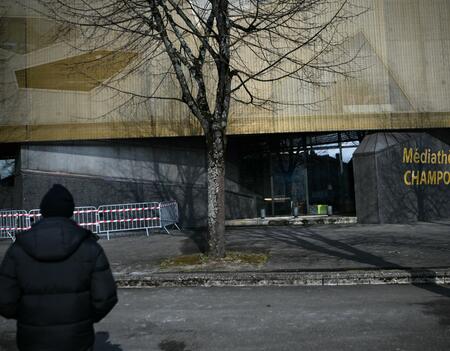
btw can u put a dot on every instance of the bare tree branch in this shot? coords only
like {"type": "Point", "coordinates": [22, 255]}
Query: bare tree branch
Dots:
{"type": "Point", "coordinates": [215, 52]}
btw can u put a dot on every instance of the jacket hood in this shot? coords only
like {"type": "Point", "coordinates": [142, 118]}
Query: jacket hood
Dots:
{"type": "Point", "coordinates": [52, 239]}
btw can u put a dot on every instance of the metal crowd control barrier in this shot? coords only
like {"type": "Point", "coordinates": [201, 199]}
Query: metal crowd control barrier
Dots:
{"type": "Point", "coordinates": [85, 216]}
{"type": "Point", "coordinates": [124, 217]}
{"type": "Point", "coordinates": [34, 216]}
{"type": "Point", "coordinates": [104, 220]}
{"type": "Point", "coordinates": [13, 221]}
{"type": "Point", "coordinates": [169, 214]}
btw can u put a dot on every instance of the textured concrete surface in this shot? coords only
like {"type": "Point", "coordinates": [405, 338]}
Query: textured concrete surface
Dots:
{"type": "Point", "coordinates": [256, 279]}
{"type": "Point", "coordinates": [392, 318]}
{"type": "Point", "coordinates": [353, 246]}
{"type": "Point", "coordinates": [381, 192]}
{"type": "Point", "coordinates": [298, 255]}
{"type": "Point", "coordinates": [290, 220]}
{"type": "Point", "coordinates": [117, 172]}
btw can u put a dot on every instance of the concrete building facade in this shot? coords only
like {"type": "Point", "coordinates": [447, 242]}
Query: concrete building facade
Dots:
{"type": "Point", "coordinates": [79, 133]}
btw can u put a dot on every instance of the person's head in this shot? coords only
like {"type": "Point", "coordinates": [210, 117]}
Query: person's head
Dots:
{"type": "Point", "coordinates": [57, 202]}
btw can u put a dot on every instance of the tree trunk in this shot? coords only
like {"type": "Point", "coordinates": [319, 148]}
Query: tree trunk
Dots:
{"type": "Point", "coordinates": [215, 148]}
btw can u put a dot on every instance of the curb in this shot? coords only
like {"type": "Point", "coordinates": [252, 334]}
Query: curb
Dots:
{"type": "Point", "coordinates": [253, 279]}
{"type": "Point", "coordinates": [298, 221]}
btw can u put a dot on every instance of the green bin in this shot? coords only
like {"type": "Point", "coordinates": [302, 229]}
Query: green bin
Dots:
{"type": "Point", "coordinates": [322, 209]}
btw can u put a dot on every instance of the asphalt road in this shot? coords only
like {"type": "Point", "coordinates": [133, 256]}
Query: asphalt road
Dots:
{"type": "Point", "coordinates": [291, 318]}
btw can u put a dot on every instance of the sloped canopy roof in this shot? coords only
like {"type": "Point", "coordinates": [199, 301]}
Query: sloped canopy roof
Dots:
{"type": "Point", "coordinates": [377, 142]}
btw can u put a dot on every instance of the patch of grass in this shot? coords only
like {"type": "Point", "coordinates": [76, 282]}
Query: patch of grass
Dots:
{"type": "Point", "coordinates": [257, 259]}
{"type": "Point", "coordinates": [186, 260]}
{"type": "Point", "coordinates": [202, 260]}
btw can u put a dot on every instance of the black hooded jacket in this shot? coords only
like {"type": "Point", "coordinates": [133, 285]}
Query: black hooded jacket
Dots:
{"type": "Point", "coordinates": [56, 281]}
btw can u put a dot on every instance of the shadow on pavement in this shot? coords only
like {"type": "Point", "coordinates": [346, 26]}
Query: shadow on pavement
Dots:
{"type": "Point", "coordinates": [102, 343]}
{"type": "Point", "coordinates": [433, 287]}
{"type": "Point", "coordinates": [439, 308]}
{"type": "Point", "coordinates": [198, 236]}
{"type": "Point", "coordinates": [302, 237]}
{"type": "Point", "coordinates": [334, 247]}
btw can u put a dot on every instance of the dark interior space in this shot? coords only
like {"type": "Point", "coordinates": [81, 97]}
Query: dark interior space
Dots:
{"type": "Point", "coordinates": [298, 171]}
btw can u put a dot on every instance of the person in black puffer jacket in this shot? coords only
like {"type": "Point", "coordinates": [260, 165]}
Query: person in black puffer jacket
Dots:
{"type": "Point", "coordinates": [56, 281]}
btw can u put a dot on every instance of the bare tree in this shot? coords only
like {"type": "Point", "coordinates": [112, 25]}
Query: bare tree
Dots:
{"type": "Point", "coordinates": [220, 52]}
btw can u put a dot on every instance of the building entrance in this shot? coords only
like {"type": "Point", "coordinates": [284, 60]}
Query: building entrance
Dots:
{"type": "Point", "coordinates": [299, 173]}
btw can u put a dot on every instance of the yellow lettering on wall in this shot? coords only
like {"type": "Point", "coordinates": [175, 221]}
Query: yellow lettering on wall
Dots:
{"type": "Point", "coordinates": [426, 156]}
{"type": "Point", "coordinates": [432, 177]}
{"type": "Point", "coordinates": [415, 177]}
{"type": "Point", "coordinates": [406, 178]}
{"type": "Point", "coordinates": [447, 178]}
{"type": "Point", "coordinates": [423, 178]}
{"type": "Point", "coordinates": [416, 156]}
{"type": "Point", "coordinates": [423, 157]}
{"type": "Point", "coordinates": [407, 155]}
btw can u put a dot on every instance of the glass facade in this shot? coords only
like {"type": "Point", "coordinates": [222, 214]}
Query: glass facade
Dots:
{"type": "Point", "coordinates": [300, 171]}
{"type": "Point", "coordinates": [8, 157]}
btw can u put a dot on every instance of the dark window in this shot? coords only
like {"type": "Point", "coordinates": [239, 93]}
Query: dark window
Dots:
{"type": "Point", "coordinates": [7, 171]}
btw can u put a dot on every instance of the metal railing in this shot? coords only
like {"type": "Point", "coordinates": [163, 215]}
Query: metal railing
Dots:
{"type": "Point", "coordinates": [86, 217]}
{"type": "Point", "coordinates": [125, 217]}
{"type": "Point", "coordinates": [13, 221]}
{"type": "Point", "coordinates": [34, 216]}
{"type": "Point", "coordinates": [103, 221]}
{"type": "Point", "coordinates": [168, 214]}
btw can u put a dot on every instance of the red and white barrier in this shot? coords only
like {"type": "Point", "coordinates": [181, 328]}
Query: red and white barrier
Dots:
{"type": "Point", "coordinates": [86, 217]}
{"type": "Point", "coordinates": [104, 220]}
{"type": "Point", "coordinates": [125, 217]}
{"type": "Point", "coordinates": [13, 221]}
{"type": "Point", "coordinates": [34, 216]}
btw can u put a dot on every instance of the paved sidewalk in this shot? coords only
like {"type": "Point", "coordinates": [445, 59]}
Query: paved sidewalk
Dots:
{"type": "Point", "coordinates": [298, 255]}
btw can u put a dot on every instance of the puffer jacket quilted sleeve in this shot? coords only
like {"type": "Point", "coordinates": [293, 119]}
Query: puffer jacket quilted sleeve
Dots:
{"type": "Point", "coordinates": [103, 288]}
{"type": "Point", "coordinates": [9, 286]}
